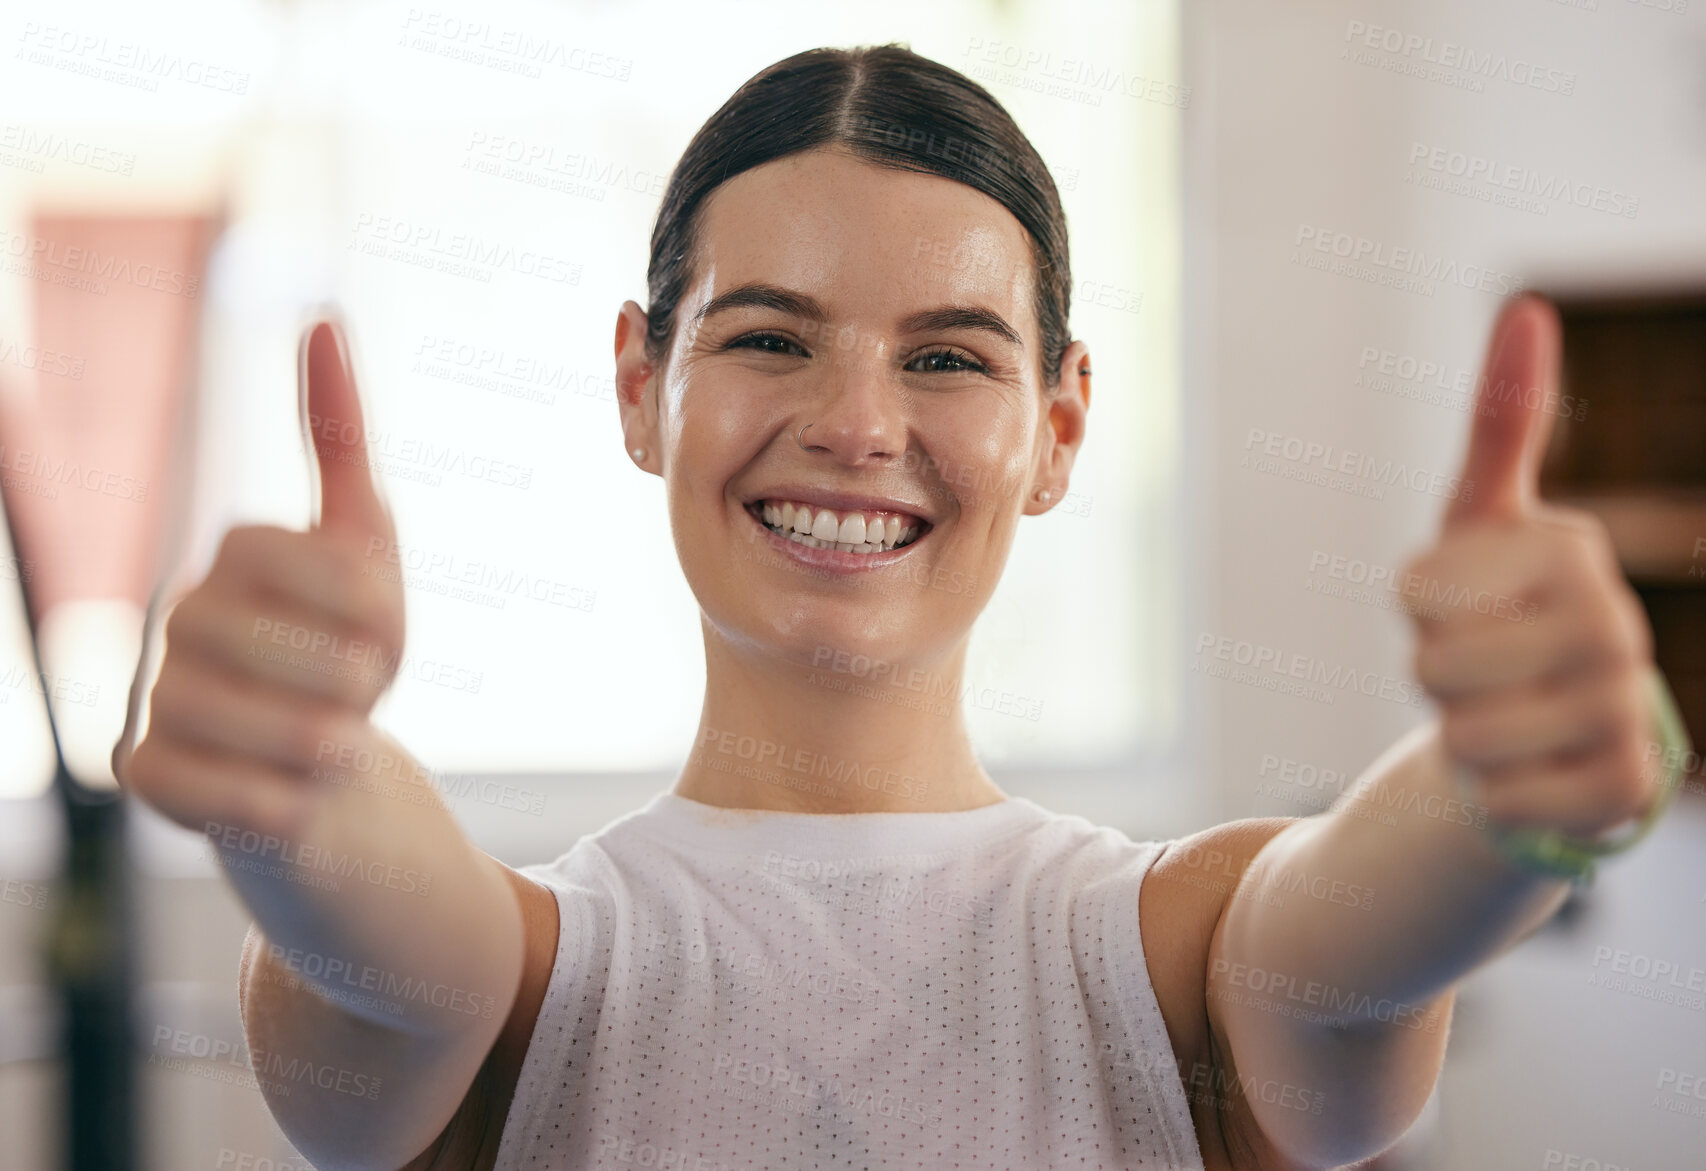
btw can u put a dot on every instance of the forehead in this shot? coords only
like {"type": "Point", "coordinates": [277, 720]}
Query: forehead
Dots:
{"type": "Point", "coordinates": [865, 240]}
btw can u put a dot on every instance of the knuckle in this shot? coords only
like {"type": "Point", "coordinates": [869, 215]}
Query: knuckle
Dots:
{"type": "Point", "coordinates": [1625, 786]}
{"type": "Point", "coordinates": [312, 733]}
{"type": "Point", "coordinates": [1462, 735]}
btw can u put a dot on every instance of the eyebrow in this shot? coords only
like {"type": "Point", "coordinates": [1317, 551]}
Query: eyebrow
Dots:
{"type": "Point", "coordinates": [758, 295]}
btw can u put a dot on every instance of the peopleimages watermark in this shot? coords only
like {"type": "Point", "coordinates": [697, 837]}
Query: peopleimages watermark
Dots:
{"type": "Point", "coordinates": [88, 269]}
{"type": "Point", "coordinates": [18, 676]}
{"type": "Point", "coordinates": [520, 376]}
{"type": "Point", "coordinates": [306, 864]}
{"type": "Point", "coordinates": [1687, 1092]}
{"type": "Point", "coordinates": [1645, 977]}
{"type": "Point", "coordinates": [410, 457]}
{"type": "Point", "coordinates": [1556, 1160]}
{"type": "Point", "coordinates": [1314, 1001]}
{"type": "Point", "coordinates": [30, 149]}
{"type": "Point", "coordinates": [234, 1160]}
{"type": "Point", "coordinates": [461, 254]}
{"type": "Point", "coordinates": [1213, 1085]}
{"type": "Point", "coordinates": [1075, 78]}
{"type": "Point", "coordinates": [753, 974]}
{"type": "Point", "coordinates": [1406, 376]}
{"type": "Point", "coordinates": [806, 769]}
{"type": "Point", "coordinates": [1411, 270]}
{"type": "Point", "coordinates": [438, 571]}
{"type": "Point", "coordinates": [1329, 466]}
{"type": "Point", "coordinates": [662, 1156]}
{"type": "Point", "coordinates": [1357, 580]}
{"type": "Point", "coordinates": [337, 979]}
{"type": "Point", "coordinates": [23, 893]}
{"type": "Point", "coordinates": [885, 676]}
{"type": "Point", "coordinates": [41, 474]}
{"type": "Point", "coordinates": [325, 653]}
{"type": "Point", "coordinates": [506, 50]}
{"type": "Point", "coordinates": [1447, 62]}
{"type": "Point", "coordinates": [1217, 871]}
{"type": "Point", "coordinates": [183, 1051]}
{"type": "Point", "coordinates": [123, 62]}
{"type": "Point", "coordinates": [402, 778]}
{"type": "Point", "coordinates": [1309, 784]}
{"type": "Point", "coordinates": [806, 1093]}
{"type": "Point", "coordinates": [542, 165]}
{"type": "Point", "coordinates": [1273, 669]}
{"type": "Point", "coordinates": [1505, 184]}
{"type": "Point", "coordinates": [864, 888]}
{"type": "Point", "coordinates": [52, 362]}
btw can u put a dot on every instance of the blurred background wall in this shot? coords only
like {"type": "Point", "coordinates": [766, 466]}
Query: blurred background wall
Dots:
{"type": "Point", "coordinates": [404, 159]}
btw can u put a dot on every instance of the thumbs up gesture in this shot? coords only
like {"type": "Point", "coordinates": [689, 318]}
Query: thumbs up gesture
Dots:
{"type": "Point", "coordinates": [284, 648]}
{"type": "Point", "coordinates": [1529, 638]}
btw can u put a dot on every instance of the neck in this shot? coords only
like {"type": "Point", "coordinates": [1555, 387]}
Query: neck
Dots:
{"type": "Point", "coordinates": [835, 736]}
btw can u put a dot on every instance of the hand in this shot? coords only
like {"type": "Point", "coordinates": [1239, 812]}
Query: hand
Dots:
{"type": "Point", "coordinates": [280, 653]}
{"type": "Point", "coordinates": [1529, 638]}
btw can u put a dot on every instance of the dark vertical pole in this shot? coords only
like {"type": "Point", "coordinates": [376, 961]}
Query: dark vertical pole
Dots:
{"type": "Point", "coordinates": [91, 954]}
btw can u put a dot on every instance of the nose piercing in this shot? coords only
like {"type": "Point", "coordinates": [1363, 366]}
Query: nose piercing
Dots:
{"type": "Point", "coordinates": [800, 438]}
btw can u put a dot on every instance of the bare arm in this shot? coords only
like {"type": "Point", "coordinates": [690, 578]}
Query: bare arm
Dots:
{"type": "Point", "coordinates": [387, 949]}
{"type": "Point", "coordinates": [1333, 966]}
{"type": "Point", "coordinates": [370, 1008]}
{"type": "Point", "coordinates": [1538, 655]}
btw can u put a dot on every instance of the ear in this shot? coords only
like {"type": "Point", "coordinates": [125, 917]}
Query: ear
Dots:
{"type": "Point", "coordinates": [1063, 430]}
{"type": "Point", "coordinates": [636, 394]}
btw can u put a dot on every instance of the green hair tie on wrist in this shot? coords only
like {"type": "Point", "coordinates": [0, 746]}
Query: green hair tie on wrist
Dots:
{"type": "Point", "coordinates": [1552, 852]}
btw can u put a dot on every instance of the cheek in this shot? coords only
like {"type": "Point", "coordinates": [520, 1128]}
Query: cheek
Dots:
{"type": "Point", "coordinates": [988, 468]}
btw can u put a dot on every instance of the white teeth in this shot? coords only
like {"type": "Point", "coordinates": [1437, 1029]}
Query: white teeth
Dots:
{"type": "Point", "coordinates": [821, 529]}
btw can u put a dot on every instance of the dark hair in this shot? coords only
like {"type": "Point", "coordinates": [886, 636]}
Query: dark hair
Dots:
{"type": "Point", "coordinates": [889, 106]}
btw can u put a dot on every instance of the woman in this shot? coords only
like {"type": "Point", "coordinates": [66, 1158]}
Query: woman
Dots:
{"type": "Point", "coordinates": [836, 942]}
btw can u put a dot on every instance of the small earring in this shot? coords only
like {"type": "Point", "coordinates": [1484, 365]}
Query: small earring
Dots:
{"type": "Point", "coordinates": [639, 454]}
{"type": "Point", "coordinates": [1042, 495]}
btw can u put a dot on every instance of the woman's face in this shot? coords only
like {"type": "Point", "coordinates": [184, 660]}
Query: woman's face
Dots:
{"type": "Point", "coordinates": [888, 315]}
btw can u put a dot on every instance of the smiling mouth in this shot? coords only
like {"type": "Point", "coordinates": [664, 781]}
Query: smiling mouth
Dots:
{"type": "Point", "coordinates": [848, 531]}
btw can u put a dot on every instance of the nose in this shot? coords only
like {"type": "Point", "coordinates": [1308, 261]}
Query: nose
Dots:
{"type": "Point", "coordinates": [861, 418]}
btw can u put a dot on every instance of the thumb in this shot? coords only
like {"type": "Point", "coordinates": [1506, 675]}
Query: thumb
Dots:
{"type": "Point", "coordinates": [349, 501]}
{"type": "Point", "coordinates": [1513, 414]}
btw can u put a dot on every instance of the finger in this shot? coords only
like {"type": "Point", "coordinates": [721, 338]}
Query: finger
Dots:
{"type": "Point", "coordinates": [1581, 795]}
{"type": "Point", "coordinates": [1462, 660]}
{"type": "Point", "coordinates": [348, 584]}
{"type": "Point", "coordinates": [1501, 470]}
{"type": "Point", "coordinates": [295, 650]}
{"type": "Point", "coordinates": [215, 710]}
{"type": "Point", "coordinates": [198, 787]}
{"type": "Point", "coordinates": [349, 500]}
{"type": "Point", "coordinates": [1540, 721]}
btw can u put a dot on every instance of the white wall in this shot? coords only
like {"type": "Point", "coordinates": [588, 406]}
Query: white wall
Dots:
{"type": "Point", "coordinates": [1285, 132]}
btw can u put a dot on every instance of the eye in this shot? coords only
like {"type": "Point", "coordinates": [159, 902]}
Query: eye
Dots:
{"type": "Point", "coordinates": [751, 341]}
{"type": "Point", "coordinates": [964, 363]}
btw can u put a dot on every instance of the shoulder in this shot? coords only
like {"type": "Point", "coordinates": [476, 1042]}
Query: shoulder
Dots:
{"type": "Point", "coordinates": [470, 1140]}
{"type": "Point", "coordinates": [1179, 907]}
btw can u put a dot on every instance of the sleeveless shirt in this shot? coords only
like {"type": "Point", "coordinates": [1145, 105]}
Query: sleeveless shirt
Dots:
{"type": "Point", "coordinates": [754, 989]}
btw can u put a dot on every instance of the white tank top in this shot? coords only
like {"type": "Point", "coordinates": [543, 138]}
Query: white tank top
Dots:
{"type": "Point", "coordinates": [746, 989]}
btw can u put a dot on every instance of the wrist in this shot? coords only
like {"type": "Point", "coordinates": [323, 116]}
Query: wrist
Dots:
{"type": "Point", "coordinates": [1553, 853]}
